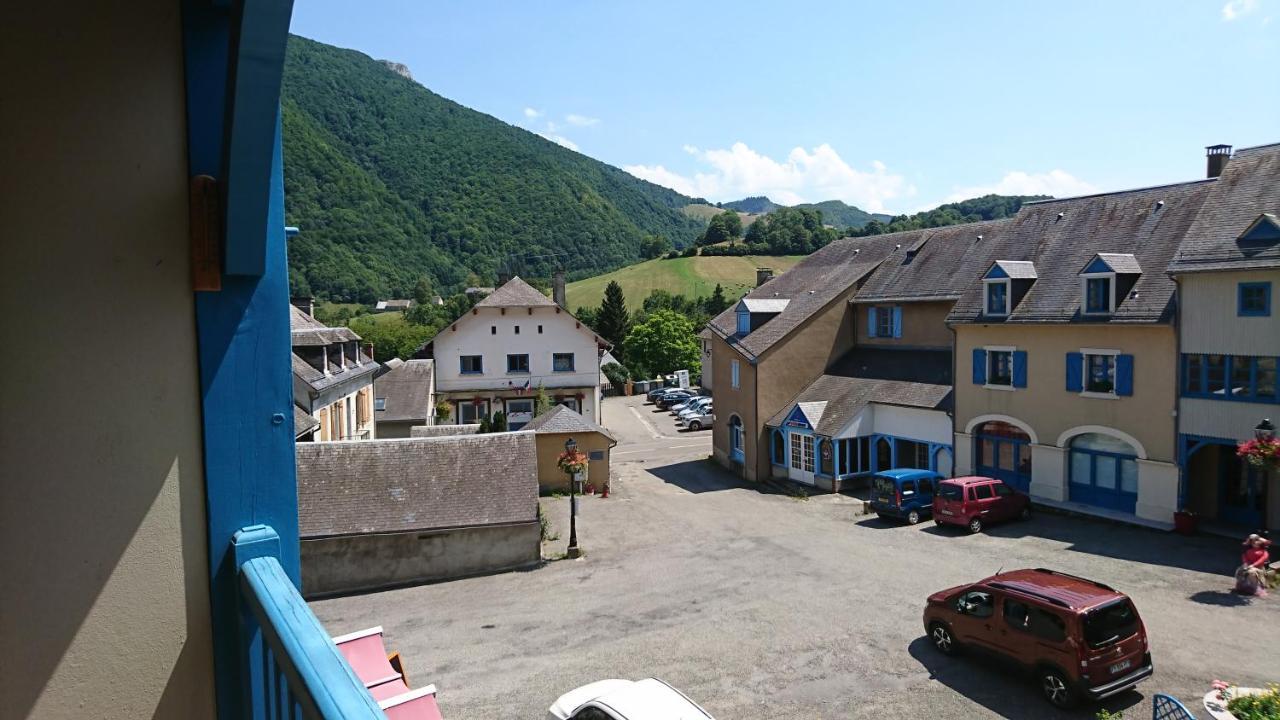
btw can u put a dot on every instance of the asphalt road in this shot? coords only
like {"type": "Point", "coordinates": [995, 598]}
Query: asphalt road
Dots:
{"type": "Point", "coordinates": [761, 605]}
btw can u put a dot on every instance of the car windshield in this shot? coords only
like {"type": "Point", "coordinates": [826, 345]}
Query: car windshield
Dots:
{"type": "Point", "coordinates": [950, 491]}
{"type": "Point", "coordinates": [884, 485]}
{"type": "Point", "coordinates": [1110, 623]}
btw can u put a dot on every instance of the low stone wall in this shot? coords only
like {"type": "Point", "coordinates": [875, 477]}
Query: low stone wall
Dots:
{"type": "Point", "coordinates": [355, 563]}
{"type": "Point", "coordinates": [421, 431]}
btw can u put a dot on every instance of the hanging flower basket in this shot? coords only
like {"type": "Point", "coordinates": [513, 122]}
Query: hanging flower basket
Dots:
{"type": "Point", "coordinates": [572, 462]}
{"type": "Point", "coordinates": [1261, 454]}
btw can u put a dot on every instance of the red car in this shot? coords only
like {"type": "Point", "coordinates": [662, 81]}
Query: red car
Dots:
{"type": "Point", "coordinates": [975, 502]}
{"type": "Point", "coordinates": [1081, 638]}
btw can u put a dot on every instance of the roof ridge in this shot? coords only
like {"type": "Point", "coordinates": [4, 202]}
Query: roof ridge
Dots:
{"type": "Point", "coordinates": [1120, 192]}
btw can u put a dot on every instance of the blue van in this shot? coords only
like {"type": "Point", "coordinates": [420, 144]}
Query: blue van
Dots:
{"type": "Point", "coordinates": [904, 493]}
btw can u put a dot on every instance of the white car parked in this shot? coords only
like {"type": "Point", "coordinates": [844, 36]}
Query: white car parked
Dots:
{"type": "Point", "coordinates": [650, 699]}
{"type": "Point", "coordinates": [697, 421]}
{"type": "Point", "coordinates": [690, 404]}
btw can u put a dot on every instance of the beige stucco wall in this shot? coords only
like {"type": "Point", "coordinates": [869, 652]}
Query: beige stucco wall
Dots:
{"type": "Point", "coordinates": [550, 445]}
{"type": "Point", "coordinates": [1047, 407]}
{"type": "Point", "coordinates": [1207, 312]}
{"type": "Point", "coordinates": [104, 604]}
{"type": "Point", "coordinates": [730, 401]}
{"type": "Point", "coordinates": [924, 324]}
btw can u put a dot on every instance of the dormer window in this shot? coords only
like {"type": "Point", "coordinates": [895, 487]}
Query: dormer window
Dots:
{"type": "Point", "coordinates": [754, 312]}
{"type": "Point", "coordinates": [744, 323]}
{"type": "Point", "coordinates": [1098, 296]}
{"type": "Point", "coordinates": [1106, 280]}
{"type": "Point", "coordinates": [1004, 284]}
{"type": "Point", "coordinates": [997, 297]}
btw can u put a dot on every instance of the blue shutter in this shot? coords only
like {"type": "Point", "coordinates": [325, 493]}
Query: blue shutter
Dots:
{"type": "Point", "coordinates": [871, 322]}
{"type": "Point", "coordinates": [979, 366]}
{"type": "Point", "coordinates": [1124, 374]}
{"type": "Point", "coordinates": [1075, 372]}
{"type": "Point", "coordinates": [1020, 368]}
{"type": "Point", "coordinates": [897, 322]}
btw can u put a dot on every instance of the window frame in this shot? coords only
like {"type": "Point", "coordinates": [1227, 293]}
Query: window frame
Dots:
{"type": "Point", "coordinates": [1242, 288]}
{"type": "Point", "coordinates": [462, 369]}
{"type": "Point", "coordinates": [987, 286]}
{"type": "Point", "coordinates": [735, 374]}
{"type": "Point", "coordinates": [1085, 354]}
{"type": "Point", "coordinates": [572, 362]}
{"type": "Point", "coordinates": [884, 322]}
{"type": "Point", "coordinates": [992, 352]}
{"type": "Point", "coordinates": [1110, 278]}
{"type": "Point", "coordinates": [527, 366]}
{"type": "Point", "coordinates": [1200, 375]}
{"type": "Point", "coordinates": [737, 438]}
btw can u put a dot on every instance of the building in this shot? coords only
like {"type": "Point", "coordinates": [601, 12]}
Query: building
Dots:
{"type": "Point", "coordinates": [556, 426]}
{"type": "Point", "coordinates": [332, 379]}
{"type": "Point", "coordinates": [887, 402]}
{"type": "Point", "coordinates": [777, 340]}
{"type": "Point", "coordinates": [403, 397]}
{"type": "Point", "coordinates": [706, 339]}
{"type": "Point", "coordinates": [398, 512]}
{"type": "Point", "coordinates": [394, 305]}
{"type": "Point", "coordinates": [513, 342]}
{"type": "Point", "coordinates": [1065, 349]}
{"type": "Point", "coordinates": [1227, 268]}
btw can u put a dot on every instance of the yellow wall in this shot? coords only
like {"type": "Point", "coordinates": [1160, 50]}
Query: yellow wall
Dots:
{"type": "Point", "coordinates": [550, 445]}
{"type": "Point", "coordinates": [1049, 408]}
{"type": "Point", "coordinates": [104, 603]}
{"type": "Point", "coordinates": [924, 324]}
{"type": "Point", "coordinates": [730, 401]}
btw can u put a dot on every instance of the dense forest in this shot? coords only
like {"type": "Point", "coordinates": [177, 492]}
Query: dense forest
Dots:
{"type": "Point", "coordinates": [391, 183]}
{"type": "Point", "coordinates": [987, 207]}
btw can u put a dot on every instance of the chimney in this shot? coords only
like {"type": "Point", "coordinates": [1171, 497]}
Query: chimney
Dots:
{"type": "Point", "coordinates": [1218, 156]}
{"type": "Point", "coordinates": [557, 289]}
{"type": "Point", "coordinates": [305, 304]}
{"type": "Point", "coordinates": [763, 275]}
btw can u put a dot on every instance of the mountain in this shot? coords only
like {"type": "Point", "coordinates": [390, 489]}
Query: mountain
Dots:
{"type": "Point", "coordinates": [390, 182]}
{"type": "Point", "coordinates": [987, 207]}
{"type": "Point", "coordinates": [758, 205]}
{"type": "Point", "coordinates": [837, 214]}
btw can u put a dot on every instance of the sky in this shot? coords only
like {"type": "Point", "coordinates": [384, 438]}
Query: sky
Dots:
{"type": "Point", "coordinates": [892, 107]}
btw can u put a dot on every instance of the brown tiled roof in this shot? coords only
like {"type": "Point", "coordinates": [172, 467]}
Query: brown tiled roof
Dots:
{"type": "Point", "coordinates": [406, 390]}
{"type": "Point", "coordinates": [561, 419]}
{"type": "Point", "coordinates": [1062, 236]}
{"type": "Point", "coordinates": [303, 422]}
{"type": "Point", "coordinates": [307, 331]}
{"type": "Point", "coordinates": [1249, 187]}
{"type": "Point", "coordinates": [516, 293]}
{"type": "Point", "coordinates": [941, 265]}
{"type": "Point", "coordinates": [386, 486]}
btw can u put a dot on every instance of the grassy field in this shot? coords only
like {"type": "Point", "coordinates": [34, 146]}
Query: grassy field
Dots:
{"type": "Point", "coordinates": [706, 212]}
{"type": "Point", "coordinates": [692, 276]}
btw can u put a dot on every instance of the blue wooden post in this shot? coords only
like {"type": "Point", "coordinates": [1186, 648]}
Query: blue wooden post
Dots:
{"type": "Point", "coordinates": [835, 458]}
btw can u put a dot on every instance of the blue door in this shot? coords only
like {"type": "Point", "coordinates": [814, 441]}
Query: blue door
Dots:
{"type": "Point", "coordinates": [1003, 451]}
{"type": "Point", "coordinates": [1103, 472]}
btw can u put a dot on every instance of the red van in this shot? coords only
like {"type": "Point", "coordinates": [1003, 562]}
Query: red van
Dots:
{"type": "Point", "coordinates": [975, 502]}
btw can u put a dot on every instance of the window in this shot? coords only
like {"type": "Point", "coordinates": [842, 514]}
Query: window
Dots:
{"type": "Point", "coordinates": [908, 487]}
{"type": "Point", "coordinates": [744, 323]}
{"type": "Point", "coordinates": [1000, 367]}
{"type": "Point", "coordinates": [983, 492]}
{"type": "Point", "coordinates": [884, 322]}
{"type": "Point", "coordinates": [493, 329]}
{"type": "Point", "coordinates": [1028, 618]}
{"type": "Point", "coordinates": [562, 362]}
{"type": "Point", "coordinates": [471, 364]}
{"type": "Point", "coordinates": [926, 486]}
{"type": "Point", "coordinates": [519, 413]}
{"type": "Point", "coordinates": [736, 437]}
{"type": "Point", "coordinates": [1192, 375]}
{"type": "Point", "coordinates": [569, 402]}
{"type": "Point", "coordinates": [1230, 377]}
{"type": "Point", "coordinates": [1254, 299]}
{"type": "Point", "coordinates": [1100, 373]}
{"type": "Point", "coordinates": [596, 455]}
{"type": "Point", "coordinates": [997, 297]}
{"type": "Point", "coordinates": [1110, 623]}
{"type": "Point", "coordinates": [517, 363]}
{"type": "Point", "coordinates": [517, 329]}
{"type": "Point", "coordinates": [1103, 470]}
{"type": "Point", "coordinates": [976, 603]}
{"type": "Point", "coordinates": [539, 329]}
{"type": "Point", "coordinates": [912, 454]}
{"type": "Point", "coordinates": [1098, 295]}
{"type": "Point", "coordinates": [1002, 490]}
{"type": "Point", "coordinates": [380, 403]}
{"type": "Point", "coordinates": [733, 374]}
{"type": "Point", "coordinates": [470, 411]}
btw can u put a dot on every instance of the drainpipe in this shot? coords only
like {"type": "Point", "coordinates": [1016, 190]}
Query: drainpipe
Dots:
{"type": "Point", "coordinates": [955, 380]}
{"type": "Point", "coordinates": [1178, 459]}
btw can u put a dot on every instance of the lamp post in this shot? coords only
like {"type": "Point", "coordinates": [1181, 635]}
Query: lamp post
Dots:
{"type": "Point", "coordinates": [571, 446]}
{"type": "Point", "coordinates": [1264, 431]}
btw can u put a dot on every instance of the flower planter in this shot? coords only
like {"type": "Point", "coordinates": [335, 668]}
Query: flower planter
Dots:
{"type": "Point", "coordinates": [1185, 523]}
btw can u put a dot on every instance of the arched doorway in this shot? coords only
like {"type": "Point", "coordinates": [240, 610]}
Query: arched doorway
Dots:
{"type": "Point", "coordinates": [1220, 486]}
{"type": "Point", "coordinates": [884, 454]}
{"type": "Point", "coordinates": [1003, 451]}
{"type": "Point", "coordinates": [736, 438]}
{"type": "Point", "coordinates": [1103, 471]}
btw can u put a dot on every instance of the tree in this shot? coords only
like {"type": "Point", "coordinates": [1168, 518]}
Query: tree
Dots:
{"type": "Point", "coordinates": [612, 322]}
{"type": "Point", "coordinates": [653, 246]}
{"type": "Point", "coordinates": [716, 303]}
{"type": "Point", "coordinates": [723, 227]}
{"type": "Point", "coordinates": [617, 374]}
{"type": "Point", "coordinates": [664, 342]}
{"type": "Point", "coordinates": [422, 291]}
{"type": "Point", "coordinates": [541, 401]}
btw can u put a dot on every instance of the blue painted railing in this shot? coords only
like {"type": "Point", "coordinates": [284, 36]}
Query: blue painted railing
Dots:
{"type": "Point", "coordinates": [291, 668]}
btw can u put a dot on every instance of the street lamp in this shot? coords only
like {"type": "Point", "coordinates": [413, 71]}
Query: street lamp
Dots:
{"type": "Point", "coordinates": [1264, 431]}
{"type": "Point", "coordinates": [570, 447]}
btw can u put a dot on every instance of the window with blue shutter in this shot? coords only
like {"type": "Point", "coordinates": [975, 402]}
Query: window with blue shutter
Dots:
{"type": "Point", "coordinates": [1253, 299]}
{"type": "Point", "coordinates": [871, 322]}
{"type": "Point", "coordinates": [897, 322]}
{"type": "Point", "coordinates": [979, 366]}
{"type": "Point", "coordinates": [1075, 372]}
{"type": "Point", "coordinates": [1019, 368]}
{"type": "Point", "coordinates": [1124, 374]}
{"type": "Point", "coordinates": [744, 323]}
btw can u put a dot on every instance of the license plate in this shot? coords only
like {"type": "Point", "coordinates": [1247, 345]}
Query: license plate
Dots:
{"type": "Point", "coordinates": [947, 512]}
{"type": "Point", "coordinates": [1122, 665]}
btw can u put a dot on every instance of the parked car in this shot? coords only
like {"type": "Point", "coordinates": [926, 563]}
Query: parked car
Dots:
{"type": "Point", "coordinates": [904, 493]}
{"type": "Point", "coordinates": [1080, 638]}
{"type": "Point", "coordinates": [697, 421]}
{"type": "Point", "coordinates": [666, 400]}
{"type": "Point", "coordinates": [655, 392]}
{"type": "Point", "coordinates": [650, 699]}
{"type": "Point", "coordinates": [694, 409]}
{"type": "Point", "coordinates": [975, 502]}
{"type": "Point", "coordinates": [692, 403]}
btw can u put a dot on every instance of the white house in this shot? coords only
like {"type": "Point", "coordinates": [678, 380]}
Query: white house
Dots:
{"type": "Point", "coordinates": [496, 356]}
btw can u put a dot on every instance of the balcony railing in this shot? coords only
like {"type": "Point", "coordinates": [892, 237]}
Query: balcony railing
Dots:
{"type": "Point", "coordinates": [292, 669]}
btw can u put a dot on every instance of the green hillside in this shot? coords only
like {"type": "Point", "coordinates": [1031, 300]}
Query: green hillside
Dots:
{"type": "Point", "coordinates": [390, 182]}
{"type": "Point", "coordinates": [839, 214]}
{"type": "Point", "coordinates": [690, 276]}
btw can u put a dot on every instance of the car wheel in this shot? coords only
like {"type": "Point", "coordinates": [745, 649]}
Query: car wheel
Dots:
{"type": "Point", "coordinates": [1056, 688]}
{"type": "Point", "coordinates": [975, 525]}
{"type": "Point", "coordinates": [940, 636]}
{"type": "Point", "coordinates": [913, 517]}
{"type": "Point", "coordinates": [1025, 514]}
{"type": "Point", "coordinates": [695, 425]}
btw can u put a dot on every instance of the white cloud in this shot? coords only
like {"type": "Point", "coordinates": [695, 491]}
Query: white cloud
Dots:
{"type": "Point", "coordinates": [1057, 183]}
{"type": "Point", "coordinates": [580, 120]}
{"type": "Point", "coordinates": [560, 140]}
{"type": "Point", "coordinates": [532, 114]}
{"type": "Point", "coordinates": [804, 176]}
{"type": "Point", "coordinates": [1238, 8]}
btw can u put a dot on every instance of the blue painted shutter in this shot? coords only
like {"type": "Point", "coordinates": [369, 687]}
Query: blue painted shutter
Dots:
{"type": "Point", "coordinates": [1075, 372]}
{"type": "Point", "coordinates": [1124, 374]}
{"type": "Point", "coordinates": [871, 322]}
{"type": "Point", "coordinates": [979, 366]}
{"type": "Point", "coordinates": [897, 322]}
{"type": "Point", "coordinates": [1019, 368]}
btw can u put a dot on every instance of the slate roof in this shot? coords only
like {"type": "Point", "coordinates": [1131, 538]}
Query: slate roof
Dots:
{"type": "Point", "coordinates": [908, 378]}
{"type": "Point", "coordinates": [764, 305]}
{"type": "Point", "coordinates": [387, 486]}
{"type": "Point", "coordinates": [1121, 262]}
{"type": "Point", "coordinates": [407, 391]}
{"type": "Point", "coordinates": [516, 293]}
{"type": "Point", "coordinates": [561, 419]}
{"type": "Point", "coordinates": [1017, 269]}
{"type": "Point", "coordinates": [1249, 187]}
{"type": "Point", "coordinates": [307, 331]}
{"type": "Point", "coordinates": [810, 285]}
{"type": "Point", "coordinates": [1062, 236]}
{"type": "Point", "coordinates": [303, 422]}
{"type": "Point", "coordinates": [935, 264]}
{"type": "Point", "coordinates": [318, 381]}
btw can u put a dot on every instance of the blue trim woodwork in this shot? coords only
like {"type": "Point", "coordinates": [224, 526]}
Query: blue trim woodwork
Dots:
{"type": "Point", "coordinates": [744, 323]}
{"type": "Point", "coordinates": [1090, 492]}
{"type": "Point", "coordinates": [1019, 368]}
{"type": "Point", "coordinates": [1097, 265]}
{"type": "Point", "coordinates": [995, 272]}
{"type": "Point", "coordinates": [1249, 306]}
{"type": "Point", "coordinates": [1264, 230]}
{"type": "Point", "coordinates": [1124, 375]}
{"type": "Point", "coordinates": [799, 419]}
{"type": "Point", "coordinates": [979, 366]}
{"type": "Point", "coordinates": [871, 322]}
{"type": "Point", "coordinates": [897, 321]}
{"type": "Point", "coordinates": [1075, 372]}
{"type": "Point", "coordinates": [1248, 393]}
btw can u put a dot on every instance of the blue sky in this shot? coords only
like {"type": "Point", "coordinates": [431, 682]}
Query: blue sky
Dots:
{"type": "Point", "coordinates": [893, 107]}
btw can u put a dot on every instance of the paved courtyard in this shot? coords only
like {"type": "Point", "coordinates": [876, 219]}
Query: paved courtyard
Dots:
{"type": "Point", "coordinates": [761, 605]}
